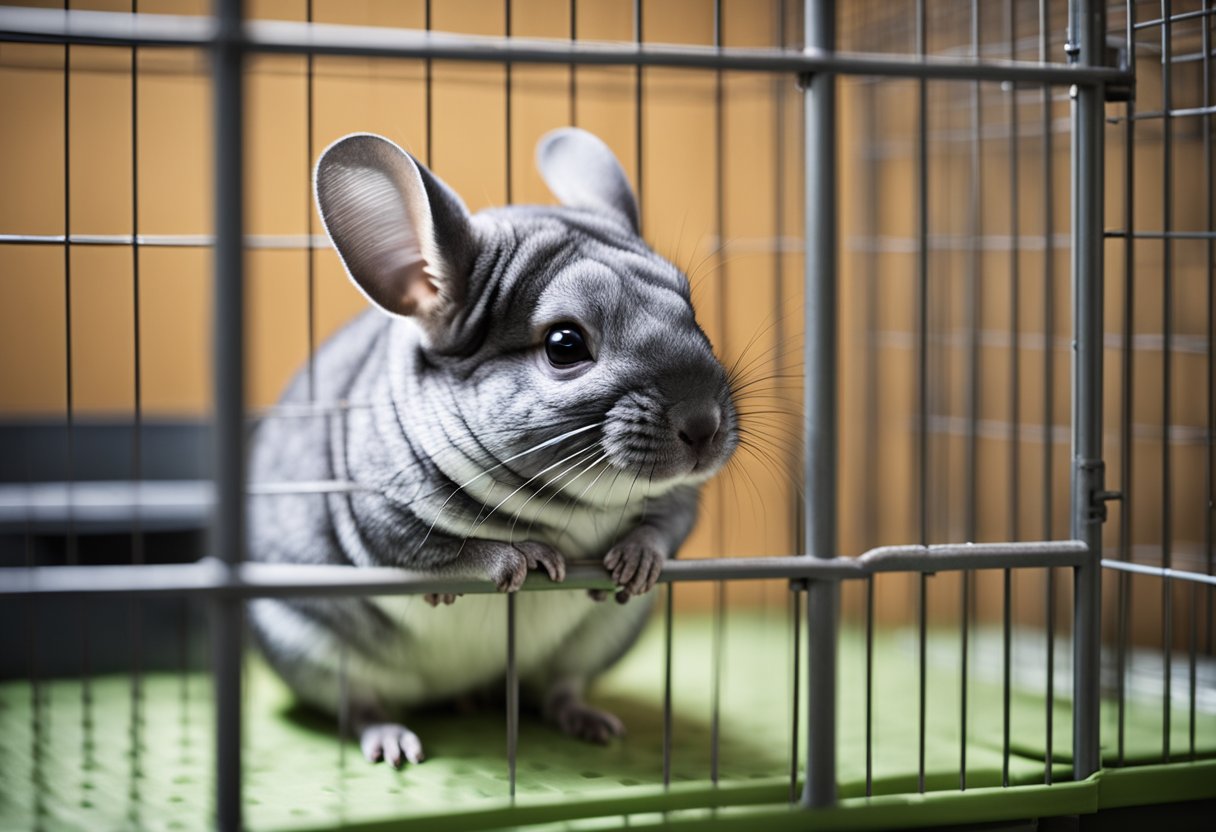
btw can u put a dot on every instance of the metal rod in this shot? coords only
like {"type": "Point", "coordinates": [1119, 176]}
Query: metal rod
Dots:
{"type": "Point", "coordinates": [1006, 673]}
{"type": "Point", "coordinates": [1159, 572]}
{"type": "Point", "coordinates": [820, 407]}
{"type": "Point", "coordinates": [668, 615]}
{"type": "Point", "coordinates": [716, 672]}
{"type": "Point", "coordinates": [1167, 328]}
{"type": "Point", "coordinates": [228, 538]}
{"type": "Point", "coordinates": [638, 104]}
{"type": "Point", "coordinates": [281, 36]}
{"type": "Point", "coordinates": [796, 699]}
{"type": "Point", "coordinates": [310, 260]}
{"type": "Point", "coordinates": [1209, 545]}
{"type": "Point", "coordinates": [724, 347]}
{"type": "Point", "coordinates": [974, 303]}
{"type": "Point", "coordinates": [573, 96]}
{"type": "Point", "coordinates": [1015, 391]}
{"type": "Point", "coordinates": [922, 646]}
{"type": "Point", "coordinates": [257, 580]}
{"type": "Point", "coordinates": [1087, 32]}
{"type": "Point", "coordinates": [1049, 398]}
{"type": "Point", "coordinates": [1126, 432]}
{"type": "Point", "coordinates": [870, 686]}
{"type": "Point", "coordinates": [512, 697]}
{"type": "Point", "coordinates": [428, 71]}
{"type": "Point", "coordinates": [922, 380]}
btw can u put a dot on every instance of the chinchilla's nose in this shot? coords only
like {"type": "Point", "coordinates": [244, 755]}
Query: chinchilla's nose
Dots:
{"type": "Point", "coordinates": [697, 422]}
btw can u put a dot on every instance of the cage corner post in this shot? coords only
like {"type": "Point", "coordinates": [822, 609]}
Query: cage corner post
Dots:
{"type": "Point", "coordinates": [228, 536]}
{"type": "Point", "coordinates": [1086, 47]}
{"type": "Point", "coordinates": [820, 407]}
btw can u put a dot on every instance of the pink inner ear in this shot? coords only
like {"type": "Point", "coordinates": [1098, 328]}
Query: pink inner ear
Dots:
{"type": "Point", "coordinates": [417, 286]}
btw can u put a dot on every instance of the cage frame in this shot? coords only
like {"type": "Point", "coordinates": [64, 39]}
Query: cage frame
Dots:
{"type": "Point", "coordinates": [225, 581]}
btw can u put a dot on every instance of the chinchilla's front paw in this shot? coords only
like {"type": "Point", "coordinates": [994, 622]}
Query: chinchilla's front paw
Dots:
{"type": "Point", "coordinates": [510, 563]}
{"type": "Point", "coordinates": [635, 564]}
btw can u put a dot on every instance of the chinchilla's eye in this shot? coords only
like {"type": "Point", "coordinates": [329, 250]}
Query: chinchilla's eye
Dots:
{"type": "Point", "coordinates": [566, 345]}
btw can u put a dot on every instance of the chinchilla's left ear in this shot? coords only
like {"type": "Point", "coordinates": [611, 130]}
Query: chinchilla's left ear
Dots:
{"type": "Point", "coordinates": [404, 237]}
{"type": "Point", "coordinates": [581, 172]}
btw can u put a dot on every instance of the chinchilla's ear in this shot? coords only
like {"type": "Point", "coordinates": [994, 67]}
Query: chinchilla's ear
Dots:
{"type": "Point", "coordinates": [402, 234]}
{"type": "Point", "coordinates": [581, 172]}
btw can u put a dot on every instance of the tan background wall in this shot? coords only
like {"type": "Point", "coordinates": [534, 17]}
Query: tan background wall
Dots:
{"type": "Point", "coordinates": [747, 291]}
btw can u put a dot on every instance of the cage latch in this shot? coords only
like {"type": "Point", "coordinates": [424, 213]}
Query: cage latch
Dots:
{"type": "Point", "coordinates": [1091, 475]}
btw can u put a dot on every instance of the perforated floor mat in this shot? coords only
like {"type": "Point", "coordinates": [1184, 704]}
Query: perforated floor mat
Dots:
{"type": "Point", "coordinates": [297, 775]}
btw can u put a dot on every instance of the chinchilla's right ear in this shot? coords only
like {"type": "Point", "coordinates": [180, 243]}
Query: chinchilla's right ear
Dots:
{"type": "Point", "coordinates": [402, 234]}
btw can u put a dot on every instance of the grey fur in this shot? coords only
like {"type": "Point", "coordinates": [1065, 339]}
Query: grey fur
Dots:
{"type": "Point", "coordinates": [482, 458]}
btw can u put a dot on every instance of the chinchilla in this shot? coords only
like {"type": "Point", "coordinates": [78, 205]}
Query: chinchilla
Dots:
{"type": "Point", "coordinates": [530, 387]}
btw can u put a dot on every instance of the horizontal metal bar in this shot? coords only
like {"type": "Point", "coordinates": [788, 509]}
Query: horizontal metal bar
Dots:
{"type": "Point", "coordinates": [277, 36]}
{"type": "Point", "coordinates": [289, 242]}
{"type": "Point", "coordinates": [256, 580]}
{"type": "Point", "coordinates": [1155, 115]}
{"type": "Point", "coordinates": [1159, 572]}
{"type": "Point", "coordinates": [1162, 235]}
{"type": "Point", "coordinates": [116, 505]}
{"type": "Point", "coordinates": [1174, 18]}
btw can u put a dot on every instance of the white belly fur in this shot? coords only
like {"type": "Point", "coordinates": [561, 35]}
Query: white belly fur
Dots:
{"type": "Point", "coordinates": [448, 650]}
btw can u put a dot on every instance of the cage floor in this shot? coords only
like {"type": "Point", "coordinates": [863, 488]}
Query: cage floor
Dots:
{"type": "Point", "coordinates": [156, 773]}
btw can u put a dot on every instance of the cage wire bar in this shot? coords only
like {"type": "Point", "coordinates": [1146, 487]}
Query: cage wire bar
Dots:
{"type": "Point", "coordinates": [224, 581]}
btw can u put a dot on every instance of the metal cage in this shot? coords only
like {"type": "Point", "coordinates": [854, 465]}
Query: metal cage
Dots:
{"type": "Point", "coordinates": [1100, 68]}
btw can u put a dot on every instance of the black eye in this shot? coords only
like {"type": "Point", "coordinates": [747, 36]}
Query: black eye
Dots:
{"type": "Point", "coordinates": [565, 345]}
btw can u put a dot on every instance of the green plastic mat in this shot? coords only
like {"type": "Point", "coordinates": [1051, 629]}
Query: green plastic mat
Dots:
{"type": "Point", "coordinates": [298, 776]}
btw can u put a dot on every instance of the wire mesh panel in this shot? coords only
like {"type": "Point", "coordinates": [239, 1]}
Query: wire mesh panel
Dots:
{"type": "Point", "coordinates": [891, 218]}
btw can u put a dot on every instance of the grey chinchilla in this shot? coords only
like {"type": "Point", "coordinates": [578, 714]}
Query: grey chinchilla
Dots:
{"type": "Point", "coordinates": [531, 387]}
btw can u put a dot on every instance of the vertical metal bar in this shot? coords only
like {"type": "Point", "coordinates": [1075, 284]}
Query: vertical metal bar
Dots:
{"type": "Point", "coordinates": [716, 694]}
{"type": "Point", "coordinates": [1209, 545]}
{"type": "Point", "coordinates": [668, 614]}
{"type": "Point", "coordinates": [1167, 332]}
{"type": "Point", "coordinates": [1127, 366]}
{"type": "Point", "coordinates": [428, 82]}
{"type": "Point", "coordinates": [1049, 332]}
{"type": "Point", "coordinates": [137, 535]}
{"type": "Point", "coordinates": [638, 101]}
{"type": "Point", "coordinates": [922, 371]}
{"type": "Point", "coordinates": [922, 645]}
{"type": "Point", "coordinates": [1015, 391]}
{"type": "Point", "coordinates": [512, 667]}
{"type": "Point", "coordinates": [723, 346]}
{"type": "Point", "coordinates": [870, 686]}
{"type": "Point", "coordinates": [796, 700]}
{"type": "Point", "coordinates": [1087, 32]}
{"type": "Point", "coordinates": [228, 538]}
{"type": "Point", "coordinates": [309, 253]}
{"type": "Point", "coordinates": [971, 458]}
{"type": "Point", "coordinates": [72, 542]}
{"type": "Point", "coordinates": [820, 407]}
{"type": "Point", "coordinates": [1192, 661]}
{"type": "Point", "coordinates": [512, 696]}
{"type": "Point", "coordinates": [507, 105]}
{"type": "Point", "coordinates": [573, 116]}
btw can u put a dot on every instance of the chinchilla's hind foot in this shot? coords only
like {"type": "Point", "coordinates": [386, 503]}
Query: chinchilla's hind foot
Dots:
{"type": "Point", "coordinates": [581, 721]}
{"type": "Point", "coordinates": [565, 707]}
{"type": "Point", "coordinates": [392, 742]}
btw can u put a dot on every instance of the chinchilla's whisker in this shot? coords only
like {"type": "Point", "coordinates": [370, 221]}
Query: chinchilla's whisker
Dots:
{"type": "Point", "coordinates": [548, 443]}
{"type": "Point", "coordinates": [557, 489]}
{"type": "Point", "coordinates": [578, 499]}
{"type": "Point", "coordinates": [570, 513]}
{"type": "Point", "coordinates": [772, 466]}
{"type": "Point", "coordinates": [480, 521]}
{"type": "Point", "coordinates": [616, 534]}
